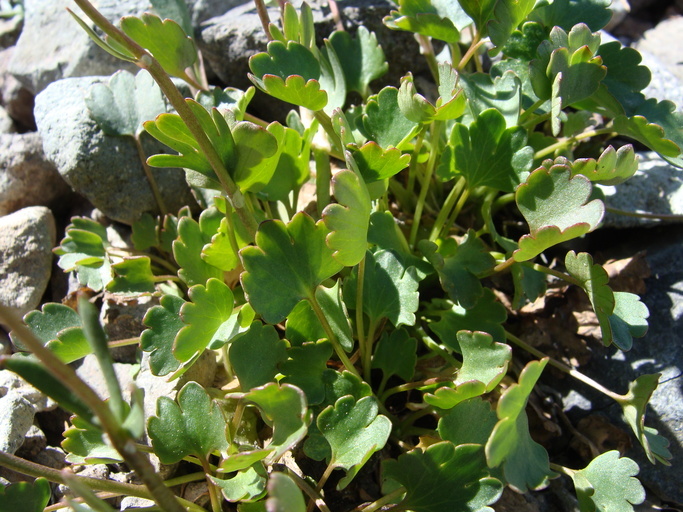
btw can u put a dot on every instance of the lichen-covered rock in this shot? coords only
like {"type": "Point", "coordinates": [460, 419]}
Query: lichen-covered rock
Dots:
{"type": "Point", "coordinates": [26, 177]}
{"type": "Point", "coordinates": [106, 169]}
{"type": "Point", "coordinates": [26, 241]}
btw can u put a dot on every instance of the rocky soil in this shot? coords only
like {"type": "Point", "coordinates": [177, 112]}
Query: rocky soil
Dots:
{"type": "Point", "coordinates": [56, 163]}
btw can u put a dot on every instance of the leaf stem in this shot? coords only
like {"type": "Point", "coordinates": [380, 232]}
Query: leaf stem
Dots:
{"type": "Point", "coordinates": [424, 186]}
{"type": "Point", "coordinates": [565, 143]}
{"type": "Point", "coordinates": [263, 17]}
{"type": "Point", "coordinates": [563, 367]}
{"type": "Point", "coordinates": [214, 494]}
{"type": "Point", "coordinates": [672, 217]}
{"type": "Point", "coordinates": [304, 486]}
{"type": "Point", "coordinates": [524, 117]}
{"type": "Point", "coordinates": [339, 350]}
{"type": "Point", "coordinates": [451, 200]}
{"type": "Point", "coordinates": [471, 51]}
{"type": "Point", "coordinates": [367, 355]}
{"type": "Point", "coordinates": [555, 273]}
{"type": "Point", "coordinates": [323, 177]}
{"type": "Point", "coordinates": [384, 500]}
{"type": "Point", "coordinates": [430, 56]}
{"type": "Point", "coordinates": [360, 319]}
{"type": "Point", "coordinates": [150, 177]}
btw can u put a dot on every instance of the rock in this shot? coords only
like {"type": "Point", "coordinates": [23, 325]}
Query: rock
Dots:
{"type": "Point", "coordinates": [229, 40]}
{"type": "Point", "coordinates": [15, 421]}
{"type": "Point", "coordinates": [105, 169]}
{"type": "Point", "coordinates": [6, 123]}
{"type": "Point", "coordinates": [202, 10]}
{"type": "Point", "coordinates": [122, 319]}
{"type": "Point", "coordinates": [10, 28]}
{"type": "Point", "coordinates": [53, 46]}
{"type": "Point", "coordinates": [664, 42]}
{"type": "Point", "coordinates": [22, 167]}
{"type": "Point", "coordinates": [657, 187]}
{"type": "Point", "coordinates": [17, 99]}
{"type": "Point", "coordinates": [11, 383]}
{"type": "Point", "coordinates": [33, 443]}
{"type": "Point", "coordinates": [660, 351]}
{"type": "Point", "coordinates": [91, 373]}
{"type": "Point", "coordinates": [664, 85]}
{"type": "Point", "coordinates": [26, 241]}
{"type": "Point", "coordinates": [132, 503]}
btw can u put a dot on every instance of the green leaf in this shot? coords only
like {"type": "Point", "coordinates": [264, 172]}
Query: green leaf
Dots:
{"type": "Point", "coordinates": [165, 40]}
{"type": "Point", "coordinates": [293, 258]}
{"type": "Point", "coordinates": [525, 462]}
{"type": "Point", "coordinates": [284, 409]}
{"type": "Point", "coordinates": [361, 58]}
{"type": "Point", "coordinates": [488, 154]}
{"type": "Point", "coordinates": [205, 318]}
{"type": "Point", "coordinates": [625, 74]}
{"type": "Point", "coordinates": [611, 168]}
{"type": "Point", "coordinates": [567, 13]}
{"type": "Point", "coordinates": [230, 98]}
{"type": "Point", "coordinates": [487, 315]}
{"type": "Point", "coordinates": [272, 351]}
{"type": "Point", "coordinates": [469, 422]}
{"type": "Point", "coordinates": [247, 484]}
{"type": "Point", "coordinates": [383, 122]}
{"type": "Point", "coordinates": [389, 289]}
{"type": "Point", "coordinates": [193, 426]}
{"type": "Point", "coordinates": [25, 497]}
{"type": "Point", "coordinates": [176, 10]}
{"type": "Point", "coordinates": [634, 405]}
{"type": "Point", "coordinates": [242, 460]}
{"type": "Point", "coordinates": [437, 19]}
{"type": "Point", "coordinates": [163, 324]}
{"type": "Point", "coordinates": [458, 266]}
{"type": "Point", "coordinates": [376, 164]}
{"type": "Point", "coordinates": [608, 483]}
{"type": "Point", "coordinates": [503, 93]}
{"type": "Point", "coordinates": [85, 444]}
{"type": "Point", "coordinates": [448, 397]}
{"type": "Point", "coordinates": [482, 359]}
{"type": "Point", "coordinates": [396, 354]}
{"type": "Point", "coordinates": [289, 72]}
{"type": "Point", "coordinates": [83, 249]}
{"type": "Point", "coordinates": [187, 249]}
{"type": "Point", "coordinates": [450, 104]}
{"type": "Point", "coordinates": [304, 367]}
{"type": "Point", "coordinates": [332, 305]}
{"type": "Point", "coordinates": [121, 106]}
{"type": "Point", "coordinates": [145, 233]}
{"type": "Point", "coordinates": [284, 495]}
{"type": "Point", "coordinates": [445, 477]}
{"type": "Point", "coordinates": [556, 208]}
{"type": "Point", "coordinates": [507, 16]}
{"type": "Point", "coordinates": [59, 328]}
{"type": "Point", "coordinates": [354, 431]}
{"type": "Point", "coordinates": [303, 325]}
{"type": "Point", "coordinates": [256, 151]}
{"type": "Point", "coordinates": [133, 277]}
{"type": "Point", "coordinates": [628, 320]}
{"type": "Point", "coordinates": [348, 219]}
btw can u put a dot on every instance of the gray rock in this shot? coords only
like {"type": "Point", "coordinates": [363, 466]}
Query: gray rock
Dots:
{"type": "Point", "coordinates": [91, 373]}
{"type": "Point", "coordinates": [664, 85]}
{"type": "Point", "coordinates": [11, 383]}
{"type": "Point", "coordinates": [10, 28]}
{"type": "Point", "coordinates": [26, 241]}
{"type": "Point", "coordinates": [229, 40]}
{"type": "Point", "coordinates": [105, 169]}
{"type": "Point", "coordinates": [26, 177]}
{"type": "Point", "coordinates": [53, 46]}
{"type": "Point", "coordinates": [202, 10]}
{"type": "Point", "coordinates": [17, 99]}
{"type": "Point", "coordinates": [657, 187]}
{"type": "Point", "coordinates": [33, 443]}
{"type": "Point", "coordinates": [16, 417]}
{"type": "Point", "coordinates": [132, 503]}
{"type": "Point", "coordinates": [664, 41]}
{"type": "Point", "coordinates": [6, 123]}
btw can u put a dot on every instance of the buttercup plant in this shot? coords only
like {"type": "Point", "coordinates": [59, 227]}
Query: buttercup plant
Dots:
{"type": "Point", "coordinates": [364, 333]}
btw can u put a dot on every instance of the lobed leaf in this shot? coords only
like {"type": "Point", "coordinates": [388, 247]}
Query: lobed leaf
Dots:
{"type": "Point", "coordinates": [556, 208]}
{"type": "Point", "coordinates": [502, 93]}
{"type": "Point", "coordinates": [396, 354]}
{"type": "Point", "coordinates": [437, 19]}
{"type": "Point", "coordinates": [248, 484]}
{"type": "Point", "coordinates": [187, 249]}
{"type": "Point", "coordinates": [133, 277]}
{"type": "Point", "coordinates": [163, 324]}
{"type": "Point", "coordinates": [507, 16]}
{"type": "Point", "coordinates": [83, 250]}
{"type": "Point", "coordinates": [256, 371]}
{"type": "Point", "coordinates": [84, 443]}
{"type": "Point", "coordinates": [525, 462]}
{"type": "Point", "coordinates": [304, 367]}
{"type": "Point", "coordinates": [383, 121]}
{"type": "Point", "coordinates": [469, 422]}
{"type": "Point", "coordinates": [611, 168]}
{"type": "Point", "coordinates": [444, 478]}
{"type": "Point", "coordinates": [450, 397]}
{"type": "Point", "coordinates": [284, 495]}
{"type": "Point", "coordinates": [361, 58]}
{"type": "Point", "coordinates": [25, 496]}
{"type": "Point", "coordinates": [376, 164]}
{"type": "Point", "coordinates": [483, 359]}
{"type": "Point", "coordinates": [567, 13]}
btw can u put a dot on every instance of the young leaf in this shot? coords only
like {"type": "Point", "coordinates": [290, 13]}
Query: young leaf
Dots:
{"type": "Point", "coordinates": [25, 496]}
{"type": "Point", "coordinates": [84, 443]}
{"type": "Point", "coordinates": [304, 368]}
{"type": "Point", "coordinates": [608, 483]}
{"type": "Point", "coordinates": [165, 40]}
{"type": "Point", "coordinates": [525, 462]}
{"type": "Point", "coordinates": [487, 315]}
{"type": "Point", "coordinates": [448, 397]}
{"type": "Point", "coordinates": [133, 277]}
{"type": "Point", "coordinates": [256, 371]}
{"type": "Point", "coordinates": [284, 409]}
{"type": "Point", "coordinates": [248, 484]}
{"type": "Point", "coordinates": [554, 204]}
{"type": "Point", "coordinates": [483, 359]}
{"type": "Point", "coordinates": [230, 98]}
{"type": "Point", "coordinates": [376, 164]}
{"type": "Point", "coordinates": [354, 431]}
{"type": "Point", "coordinates": [340, 384]}
{"type": "Point", "coordinates": [193, 426]}
{"type": "Point", "coordinates": [205, 318]}
{"type": "Point", "coordinates": [389, 289]}
{"type": "Point", "coordinates": [284, 495]}
{"type": "Point", "coordinates": [502, 93]}
{"type": "Point", "coordinates": [450, 104]}
{"type": "Point", "coordinates": [361, 58]}
{"type": "Point", "coordinates": [83, 249]}
{"type": "Point", "coordinates": [489, 154]}
{"type": "Point", "coordinates": [507, 16]}
{"type": "Point", "coordinates": [431, 18]}
{"type": "Point", "coordinates": [396, 354]}
{"type": "Point", "coordinates": [289, 72]}
{"type": "Point", "coordinates": [121, 106]}
{"type": "Point", "coordinates": [293, 259]}
{"type": "Point", "coordinates": [445, 478]}
{"type": "Point", "coordinates": [163, 324]}
{"type": "Point", "coordinates": [348, 219]}
{"type": "Point", "coordinates": [612, 168]}
{"type": "Point", "coordinates": [634, 404]}
{"type": "Point", "coordinates": [383, 122]}
{"type": "Point", "coordinates": [469, 422]}
{"type": "Point", "coordinates": [187, 249]}
{"type": "Point", "coordinates": [567, 13]}
{"type": "Point", "coordinates": [458, 266]}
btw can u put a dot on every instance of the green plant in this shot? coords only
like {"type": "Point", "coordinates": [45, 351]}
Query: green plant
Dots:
{"type": "Point", "coordinates": [366, 334]}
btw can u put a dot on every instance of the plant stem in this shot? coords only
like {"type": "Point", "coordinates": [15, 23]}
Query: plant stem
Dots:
{"type": "Point", "coordinates": [367, 355]}
{"type": "Point", "coordinates": [671, 217]}
{"type": "Point", "coordinates": [360, 319]}
{"type": "Point", "coordinates": [150, 177]}
{"type": "Point", "coordinates": [424, 186]}
{"type": "Point", "coordinates": [123, 343]}
{"type": "Point", "coordinates": [451, 200]}
{"type": "Point", "coordinates": [339, 350]}
{"type": "Point", "coordinates": [458, 208]}
{"type": "Point", "coordinates": [471, 51]}
{"type": "Point", "coordinates": [412, 169]}
{"type": "Point", "coordinates": [530, 111]}
{"type": "Point", "coordinates": [563, 367]}
{"type": "Point", "coordinates": [430, 56]}
{"type": "Point", "coordinates": [214, 494]}
{"type": "Point", "coordinates": [555, 273]}
{"type": "Point", "coordinates": [323, 177]}
{"type": "Point", "coordinates": [263, 17]}
{"type": "Point", "coordinates": [565, 143]}
{"type": "Point", "coordinates": [304, 486]}
{"type": "Point", "coordinates": [384, 500]}
{"type": "Point", "coordinates": [336, 15]}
